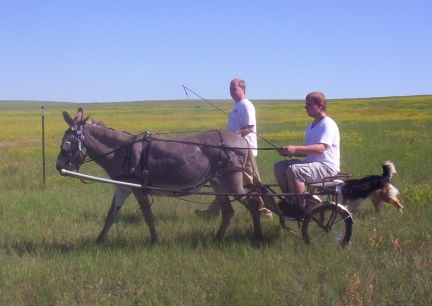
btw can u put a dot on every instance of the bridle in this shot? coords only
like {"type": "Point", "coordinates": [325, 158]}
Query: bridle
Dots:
{"type": "Point", "coordinates": [74, 150]}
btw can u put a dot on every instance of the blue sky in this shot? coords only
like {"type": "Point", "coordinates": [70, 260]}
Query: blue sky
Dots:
{"type": "Point", "coordinates": [105, 51]}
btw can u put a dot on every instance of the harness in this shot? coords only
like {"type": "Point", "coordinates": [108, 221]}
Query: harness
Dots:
{"type": "Point", "coordinates": [127, 170]}
{"type": "Point", "coordinates": [146, 147]}
{"type": "Point", "coordinates": [220, 170]}
{"type": "Point", "coordinates": [146, 141]}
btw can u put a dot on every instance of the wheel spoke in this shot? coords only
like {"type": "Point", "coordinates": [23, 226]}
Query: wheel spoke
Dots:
{"type": "Point", "coordinates": [327, 223]}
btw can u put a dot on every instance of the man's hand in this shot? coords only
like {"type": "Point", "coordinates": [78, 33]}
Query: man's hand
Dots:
{"type": "Point", "coordinates": [287, 150]}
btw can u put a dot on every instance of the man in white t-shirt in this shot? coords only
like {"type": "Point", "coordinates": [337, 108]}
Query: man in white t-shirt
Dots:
{"type": "Point", "coordinates": [320, 149]}
{"type": "Point", "coordinates": [242, 120]}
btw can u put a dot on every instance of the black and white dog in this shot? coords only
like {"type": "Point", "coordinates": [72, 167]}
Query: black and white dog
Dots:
{"type": "Point", "coordinates": [376, 187]}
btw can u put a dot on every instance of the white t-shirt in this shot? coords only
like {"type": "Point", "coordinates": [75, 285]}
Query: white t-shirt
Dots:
{"type": "Point", "coordinates": [325, 132]}
{"type": "Point", "coordinates": [243, 114]}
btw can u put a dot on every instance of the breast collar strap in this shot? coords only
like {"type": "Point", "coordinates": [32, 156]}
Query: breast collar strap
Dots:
{"type": "Point", "coordinates": [221, 170]}
{"type": "Point", "coordinates": [146, 141]}
{"type": "Point", "coordinates": [127, 167]}
{"type": "Point", "coordinates": [127, 170]}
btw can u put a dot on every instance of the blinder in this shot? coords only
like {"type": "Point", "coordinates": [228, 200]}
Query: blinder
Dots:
{"type": "Point", "coordinates": [74, 149]}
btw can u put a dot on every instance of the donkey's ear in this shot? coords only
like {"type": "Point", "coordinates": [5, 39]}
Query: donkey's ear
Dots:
{"type": "Point", "coordinates": [79, 116]}
{"type": "Point", "coordinates": [68, 118]}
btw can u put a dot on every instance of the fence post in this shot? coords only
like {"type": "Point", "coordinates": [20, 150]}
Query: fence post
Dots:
{"type": "Point", "coordinates": [43, 143]}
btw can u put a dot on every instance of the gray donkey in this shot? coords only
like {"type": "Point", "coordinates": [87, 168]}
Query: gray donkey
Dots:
{"type": "Point", "coordinates": [171, 164]}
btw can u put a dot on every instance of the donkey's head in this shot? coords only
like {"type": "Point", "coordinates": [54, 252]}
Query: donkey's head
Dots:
{"type": "Point", "coordinates": [72, 150]}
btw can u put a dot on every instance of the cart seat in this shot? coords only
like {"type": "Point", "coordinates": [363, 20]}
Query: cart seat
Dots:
{"type": "Point", "coordinates": [324, 184]}
{"type": "Point", "coordinates": [327, 186]}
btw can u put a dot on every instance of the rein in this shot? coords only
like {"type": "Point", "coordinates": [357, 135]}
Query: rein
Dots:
{"type": "Point", "coordinates": [77, 151]}
{"type": "Point", "coordinates": [88, 159]}
{"type": "Point", "coordinates": [147, 134]}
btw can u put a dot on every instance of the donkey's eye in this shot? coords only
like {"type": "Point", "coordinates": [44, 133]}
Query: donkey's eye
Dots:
{"type": "Point", "coordinates": [67, 145]}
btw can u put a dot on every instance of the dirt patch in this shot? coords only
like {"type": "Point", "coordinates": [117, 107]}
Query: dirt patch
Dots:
{"type": "Point", "coordinates": [12, 143]}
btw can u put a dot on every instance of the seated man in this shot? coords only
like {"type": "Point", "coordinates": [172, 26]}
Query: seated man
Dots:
{"type": "Point", "coordinates": [320, 149]}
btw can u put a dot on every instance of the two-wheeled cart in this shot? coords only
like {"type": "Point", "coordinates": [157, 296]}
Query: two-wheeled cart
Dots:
{"type": "Point", "coordinates": [322, 219]}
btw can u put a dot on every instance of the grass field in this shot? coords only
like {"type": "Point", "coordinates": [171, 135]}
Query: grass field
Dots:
{"type": "Point", "coordinates": [48, 230]}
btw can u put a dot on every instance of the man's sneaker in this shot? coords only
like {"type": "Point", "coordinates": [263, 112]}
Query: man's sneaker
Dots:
{"type": "Point", "coordinates": [207, 214]}
{"type": "Point", "coordinates": [291, 211]}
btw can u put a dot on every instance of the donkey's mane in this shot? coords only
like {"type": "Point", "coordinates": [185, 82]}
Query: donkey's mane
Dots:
{"type": "Point", "coordinates": [90, 121]}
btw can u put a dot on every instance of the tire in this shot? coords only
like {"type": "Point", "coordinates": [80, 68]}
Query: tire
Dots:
{"type": "Point", "coordinates": [337, 224]}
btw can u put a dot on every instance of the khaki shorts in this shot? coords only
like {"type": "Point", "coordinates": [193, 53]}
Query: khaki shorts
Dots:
{"type": "Point", "coordinates": [304, 171]}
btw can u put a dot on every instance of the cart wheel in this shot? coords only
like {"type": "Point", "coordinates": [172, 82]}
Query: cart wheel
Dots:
{"type": "Point", "coordinates": [328, 223]}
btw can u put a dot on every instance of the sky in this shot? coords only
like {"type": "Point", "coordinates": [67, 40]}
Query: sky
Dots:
{"type": "Point", "coordinates": [113, 51]}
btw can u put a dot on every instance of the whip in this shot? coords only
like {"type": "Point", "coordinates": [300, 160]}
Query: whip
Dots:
{"type": "Point", "coordinates": [228, 115]}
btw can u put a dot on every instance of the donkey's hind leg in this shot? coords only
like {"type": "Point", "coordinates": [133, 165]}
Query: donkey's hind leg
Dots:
{"type": "Point", "coordinates": [253, 205]}
{"type": "Point", "coordinates": [120, 195]}
{"type": "Point", "coordinates": [144, 202]}
{"type": "Point", "coordinates": [227, 211]}
{"type": "Point", "coordinates": [233, 184]}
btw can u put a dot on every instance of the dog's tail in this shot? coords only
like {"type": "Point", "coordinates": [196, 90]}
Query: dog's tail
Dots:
{"type": "Point", "coordinates": [388, 169]}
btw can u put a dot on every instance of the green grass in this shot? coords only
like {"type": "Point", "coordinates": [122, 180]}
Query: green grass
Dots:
{"type": "Point", "coordinates": [47, 242]}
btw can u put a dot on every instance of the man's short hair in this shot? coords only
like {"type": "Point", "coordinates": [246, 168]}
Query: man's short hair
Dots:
{"type": "Point", "coordinates": [318, 98]}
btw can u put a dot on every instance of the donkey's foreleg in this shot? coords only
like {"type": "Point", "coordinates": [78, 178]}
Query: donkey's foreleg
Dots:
{"type": "Point", "coordinates": [120, 195]}
{"type": "Point", "coordinates": [144, 202]}
{"type": "Point", "coordinates": [227, 213]}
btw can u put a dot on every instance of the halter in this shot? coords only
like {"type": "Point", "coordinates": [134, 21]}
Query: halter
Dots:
{"type": "Point", "coordinates": [74, 155]}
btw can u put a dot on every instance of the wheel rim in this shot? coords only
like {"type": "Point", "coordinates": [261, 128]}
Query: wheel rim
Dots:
{"type": "Point", "coordinates": [335, 226]}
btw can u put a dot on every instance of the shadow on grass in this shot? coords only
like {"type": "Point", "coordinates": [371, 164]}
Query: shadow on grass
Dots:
{"type": "Point", "coordinates": [196, 239]}
{"type": "Point", "coordinates": [135, 217]}
{"type": "Point", "coordinates": [193, 239]}
{"type": "Point", "coordinates": [48, 249]}
{"type": "Point", "coordinates": [43, 248]}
